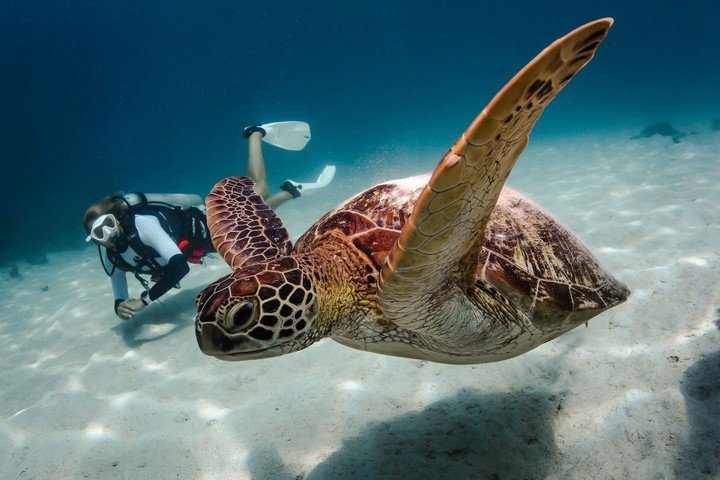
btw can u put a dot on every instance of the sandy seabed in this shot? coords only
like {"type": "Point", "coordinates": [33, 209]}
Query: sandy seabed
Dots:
{"type": "Point", "coordinates": [636, 394]}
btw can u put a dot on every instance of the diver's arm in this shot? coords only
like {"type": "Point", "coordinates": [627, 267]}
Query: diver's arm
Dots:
{"type": "Point", "coordinates": [117, 279]}
{"type": "Point", "coordinates": [175, 265]}
{"type": "Point", "coordinates": [171, 274]}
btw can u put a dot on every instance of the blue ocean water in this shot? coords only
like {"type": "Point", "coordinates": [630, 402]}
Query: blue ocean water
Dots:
{"type": "Point", "coordinates": [153, 96]}
{"type": "Point", "coordinates": [106, 96]}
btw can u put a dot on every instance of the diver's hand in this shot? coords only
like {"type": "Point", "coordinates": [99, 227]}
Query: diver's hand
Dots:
{"type": "Point", "coordinates": [128, 308]}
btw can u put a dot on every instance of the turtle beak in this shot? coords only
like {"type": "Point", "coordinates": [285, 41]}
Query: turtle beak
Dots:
{"type": "Point", "coordinates": [215, 342]}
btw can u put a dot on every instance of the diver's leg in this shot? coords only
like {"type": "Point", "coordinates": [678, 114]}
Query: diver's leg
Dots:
{"type": "Point", "coordinates": [256, 171]}
{"type": "Point", "coordinates": [278, 199]}
{"type": "Point", "coordinates": [256, 164]}
{"type": "Point", "coordinates": [288, 191]}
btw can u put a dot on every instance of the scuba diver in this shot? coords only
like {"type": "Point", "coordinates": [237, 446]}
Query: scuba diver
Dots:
{"type": "Point", "coordinates": [156, 235]}
{"type": "Point", "coordinates": [160, 234]}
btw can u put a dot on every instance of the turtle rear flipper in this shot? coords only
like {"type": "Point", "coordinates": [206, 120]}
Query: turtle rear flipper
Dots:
{"type": "Point", "coordinates": [438, 246]}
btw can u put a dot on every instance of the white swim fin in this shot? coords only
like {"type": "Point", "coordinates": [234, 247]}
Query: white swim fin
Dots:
{"type": "Point", "coordinates": [323, 180]}
{"type": "Point", "coordinates": [287, 135]}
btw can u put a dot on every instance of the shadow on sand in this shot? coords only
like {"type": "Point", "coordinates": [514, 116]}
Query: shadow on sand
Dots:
{"type": "Point", "coordinates": [265, 463]}
{"type": "Point", "coordinates": [469, 435]}
{"type": "Point", "coordinates": [701, 390]}
{"type": "Point", "coordinates": [177, 311]}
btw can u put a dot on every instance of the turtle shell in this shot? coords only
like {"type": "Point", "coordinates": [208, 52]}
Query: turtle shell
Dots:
{"type": "Point", "coordinates": [526, 254]}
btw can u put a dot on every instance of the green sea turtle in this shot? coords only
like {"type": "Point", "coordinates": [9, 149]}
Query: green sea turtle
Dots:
{"type": "Point", "coordinates": [451, 268]}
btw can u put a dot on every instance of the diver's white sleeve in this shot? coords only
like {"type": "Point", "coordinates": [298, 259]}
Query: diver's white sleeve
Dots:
{"type": "Point", "coordinates": [118, 279]}
{"type": "Point", "coordinates": [153, 235]}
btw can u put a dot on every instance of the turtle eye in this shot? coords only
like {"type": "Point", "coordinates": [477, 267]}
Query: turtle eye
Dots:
{"type": "Point", "coordinates": [240, 316]}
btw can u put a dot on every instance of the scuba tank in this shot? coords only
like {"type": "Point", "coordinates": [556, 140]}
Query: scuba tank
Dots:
{"type": "Point", "coordinates": [182, 200]}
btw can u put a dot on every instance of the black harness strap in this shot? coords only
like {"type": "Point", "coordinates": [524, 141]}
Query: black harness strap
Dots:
{"type": "Point", "coordinates": [102, 262]}
{"type": "Point", "coordinates": [181, 224]}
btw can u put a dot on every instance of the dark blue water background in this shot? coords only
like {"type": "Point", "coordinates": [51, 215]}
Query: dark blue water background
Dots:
{"type": "Point", "coordinates": [153, 96]}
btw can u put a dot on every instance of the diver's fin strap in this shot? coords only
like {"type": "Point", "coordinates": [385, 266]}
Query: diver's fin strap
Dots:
{"type": "Point", "coordinates": [250, 130]}
{"type": "Point", "coordinates": [290, 187]}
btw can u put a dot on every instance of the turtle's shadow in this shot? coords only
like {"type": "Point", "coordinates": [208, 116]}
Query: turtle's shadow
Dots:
{"type": "Point", "coordinates": [467, 435]}
{"type": "Point", "coordinates": [701, 391]}
{"type": "Point", "coordinates": [265, 463]}
{"type": "Point", "coordinates": [177, 311]}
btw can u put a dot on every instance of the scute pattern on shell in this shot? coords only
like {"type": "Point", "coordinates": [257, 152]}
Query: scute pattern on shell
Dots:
{"type": "Point", "coordinates": [387, 205]}
{"type": "Point", "coordinates": [244, 230]}
{"type": "Point", "coordinates": [541, 265]}
{"type": "Point", "coordinates": [526, 253]}
{"type": "Point", "coordinates": [371, 220]}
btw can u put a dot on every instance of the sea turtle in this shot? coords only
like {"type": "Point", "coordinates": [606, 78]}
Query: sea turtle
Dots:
{"type": "Point", "coordinates": [451, 268]}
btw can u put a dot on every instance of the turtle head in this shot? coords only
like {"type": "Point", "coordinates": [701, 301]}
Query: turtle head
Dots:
{"type": "Point", "coordinates": [265, 310]}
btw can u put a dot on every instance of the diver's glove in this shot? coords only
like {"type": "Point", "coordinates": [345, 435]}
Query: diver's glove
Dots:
{"type": "Point", "coordinates": [128, 308]}
{"type": "Point", "coordinates": [250, 130]}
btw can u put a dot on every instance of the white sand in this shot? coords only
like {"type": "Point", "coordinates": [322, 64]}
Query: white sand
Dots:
{"type": "Point", "coordinates": [634, 395]}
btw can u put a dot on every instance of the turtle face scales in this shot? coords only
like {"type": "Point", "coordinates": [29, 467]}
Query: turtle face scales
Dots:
{"type": "Point", "coordinates": [260, 311]}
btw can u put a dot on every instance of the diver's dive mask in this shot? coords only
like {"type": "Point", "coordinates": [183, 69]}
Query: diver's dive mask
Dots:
{"type": "Point", "coordinates": [104, 228]}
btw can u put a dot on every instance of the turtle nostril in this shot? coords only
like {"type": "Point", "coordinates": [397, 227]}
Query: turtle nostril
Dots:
{"type": "Point", "coordinates": [241, 316]}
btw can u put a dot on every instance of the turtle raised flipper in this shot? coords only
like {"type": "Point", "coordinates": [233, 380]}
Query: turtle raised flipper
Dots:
{"type": "Point", "coordinates": [450, 216]}
{"type": "Point", "coordinates": [244, 230]}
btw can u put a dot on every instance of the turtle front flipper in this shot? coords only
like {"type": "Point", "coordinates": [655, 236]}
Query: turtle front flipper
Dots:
{"type": "Point", "coordinates": [437, 249]}
{"type": "Point", "coordinates": [244, 229]}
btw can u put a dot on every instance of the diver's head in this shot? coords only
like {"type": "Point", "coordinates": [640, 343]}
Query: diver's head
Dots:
{"type": "Point", "coordinates": [102, 220]}
{"type": "Point", "coordinates": [104, 230]}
